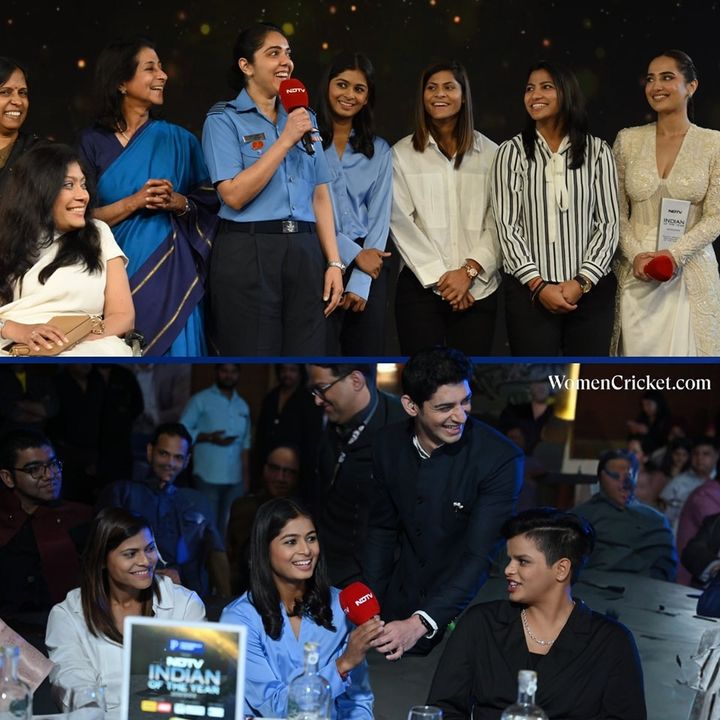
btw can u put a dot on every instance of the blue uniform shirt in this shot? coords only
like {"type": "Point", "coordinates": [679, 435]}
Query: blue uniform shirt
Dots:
{"type": "Point", "coordinates": [235, 135]}
{"type": "Point", "coordinates": [361, 190]}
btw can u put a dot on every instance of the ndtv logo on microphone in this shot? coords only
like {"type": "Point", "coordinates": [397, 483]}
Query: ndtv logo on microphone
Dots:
{"type": "Point", "coordinates": [295, 90]}
{"type": "Point", "coordinates": [363, 599]}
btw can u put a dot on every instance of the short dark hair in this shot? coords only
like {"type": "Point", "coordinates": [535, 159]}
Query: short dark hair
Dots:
{"type": "Point", "coordinates": [610, 455]}
{"type": "Point", "coordinates": [14, 441]}
{"type": "Point", "coordinates": [271, 518]}
{"type": "Point", "coordinates": [687, 67]}
{"type": "Point", "coordinates": [430, 368]}
{"type": "Point", "coordinates": [705, 440]}
{"type": "Point", "coordinates": [573, 112]}
{"type": "Point", "coordinates": [464, 131]}
{"type": "Point", "coordinates": [8, 66]}
{"type": "Point", "coordinates": [340, 369]}
{"type": "Point", "coordinates": [110, 528]}
{"type": "Point", "coordinates": [116, 64]}
{"type": "Point", "coordinates": [363, 123]}
{"type": "Point", "coordinates": [247, 42]}
{"type": "Point", "coordinates": [556, 535]}
{"type": "Point", "coordinates": [174, 429]}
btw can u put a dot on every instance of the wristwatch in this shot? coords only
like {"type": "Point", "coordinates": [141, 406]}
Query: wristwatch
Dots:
{"type": "Point", "coordinates": [471, 271]}
{"type": "Point", "coordinates": [430, 629]}
{"type": "Point", "coordinates": [337, 264]}
{"type": "Point", "coordinates": [584, 283]}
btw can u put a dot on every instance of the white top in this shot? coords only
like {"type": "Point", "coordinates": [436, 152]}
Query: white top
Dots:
{"type": "Point", "coordinates": [441, 216]}
{"type": "Point", "coordinates": [81, 658]}
{"type": "Point", "coordinates": [70, 290]}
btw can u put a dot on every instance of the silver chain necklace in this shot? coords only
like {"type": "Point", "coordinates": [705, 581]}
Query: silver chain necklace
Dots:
{"type": "Point", "coordinates": [543, 643]}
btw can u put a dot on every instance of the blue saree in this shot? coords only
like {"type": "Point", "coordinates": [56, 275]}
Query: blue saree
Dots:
{"type": "Point", "coordinates": [167, 254]}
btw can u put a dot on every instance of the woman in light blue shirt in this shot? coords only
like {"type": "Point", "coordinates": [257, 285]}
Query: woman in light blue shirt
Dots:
{"type": "Point", "coordinates": [360, 166]}
{"type": "Point", "coordinates": [275, 270]}
{"type": "Point", "coordinates": [289, 603]}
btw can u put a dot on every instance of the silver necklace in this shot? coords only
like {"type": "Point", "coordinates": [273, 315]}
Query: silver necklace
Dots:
{"type": "Point", "coordinates": [543, 643]}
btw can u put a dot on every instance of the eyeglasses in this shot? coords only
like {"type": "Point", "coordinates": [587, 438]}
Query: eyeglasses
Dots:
{"type": "Point", "coordinates": [321, 390]}
{"type": "Point", "coordinates": [37, 470]}
{"type": "Point", "coordinates": [280, 470]}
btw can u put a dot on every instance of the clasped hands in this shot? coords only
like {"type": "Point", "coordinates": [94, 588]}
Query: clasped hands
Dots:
{"type": "Point", "coordinates": [158, 194]}
{"type": "Point", "coordinates": [454, 287]}
{"type": "Point", "coordinates": [641, 260]}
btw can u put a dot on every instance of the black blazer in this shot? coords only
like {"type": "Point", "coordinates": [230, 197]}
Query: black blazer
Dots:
{"type": "Point", "coordinates": [440, 517]}
{"type": "Point", "coordinates": [592, 671]}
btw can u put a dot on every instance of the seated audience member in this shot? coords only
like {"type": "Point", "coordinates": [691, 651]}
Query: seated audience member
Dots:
{"type": "Point", "coordinates": [280, 479]}
{"type": "Point", "coordinates": [703, 467]}
{"type": "Point", "coordinates": [288, 416]}
{"type": "Point", "coordinates": [588, 665]}
{"type": "Point", "coordinates": [290, 603]}
{"type": "Point", "coordinates": [27, 397]}
{"type": "Point", "coordinates": [41, 536]}
{"type": "Point", "coordinates": [532, 414]}
{"type": "Point", "coordinates": [645, 480]}
{"type": "Point", "coordinates": [181, 518]}
{"type": "Point", "coordinates": [55, 260]}
{"type": "Point", "coordinates": [84, 632]}
{"type": "Point", "coordinates": [701, 554]}
{"type": "Point", "coordinates": [653, 420]}
{"type": "Point", "coordinates": [702, 502]}
{"type": "Point", "coordinates": [677, 431]}
{"type": "Point", "coordinates": [630, 536]}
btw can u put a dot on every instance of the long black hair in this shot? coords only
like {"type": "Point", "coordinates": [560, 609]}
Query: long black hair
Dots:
{"type": "Point", "coordinates": [573, 113]}
{"type": "Point", "coordinates": [364, 122]}
{"type": "Point", "coordinates": [271, 518]}
{"type": "Point", "coordinates": [26, 218]}
{"type": "Point", "coordinates": [116, 64]}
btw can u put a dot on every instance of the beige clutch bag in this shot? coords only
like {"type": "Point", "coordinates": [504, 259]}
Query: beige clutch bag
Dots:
{"type": "Point", "coordinates": [75, 327]}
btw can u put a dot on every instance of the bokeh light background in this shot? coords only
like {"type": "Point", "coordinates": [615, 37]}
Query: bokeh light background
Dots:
{"type": "Point", "coordinates": [608, 43]}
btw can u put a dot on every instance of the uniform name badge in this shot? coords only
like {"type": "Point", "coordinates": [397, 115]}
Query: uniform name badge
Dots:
{"type": "Point", "coordinates": [673, 221]}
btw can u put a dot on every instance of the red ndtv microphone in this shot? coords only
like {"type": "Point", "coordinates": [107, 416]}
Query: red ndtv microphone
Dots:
{"type": "Point", "coordinates": [660, 268]}
{"type": "Point", "coordinates": [359, 603]}
{"type": "Point", "coordinates": [293, 95]}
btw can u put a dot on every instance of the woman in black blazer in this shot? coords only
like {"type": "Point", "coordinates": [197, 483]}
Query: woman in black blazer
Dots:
{"type": "Point", "coordinates": [588, 665]}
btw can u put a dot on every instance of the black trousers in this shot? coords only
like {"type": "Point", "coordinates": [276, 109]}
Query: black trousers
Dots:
{"type": "Point", "coordinates": [352, 334]}
{"type": "Point", "coordinates": [266, 293]}
{"type": "Point", "coordinates": [425, 319]}
{"type": "Point", "coordinates": [533, 330]}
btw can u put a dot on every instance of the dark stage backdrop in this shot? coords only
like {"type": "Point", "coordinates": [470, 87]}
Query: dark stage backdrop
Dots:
{"type": "Point", "coordinates": [607, 42]}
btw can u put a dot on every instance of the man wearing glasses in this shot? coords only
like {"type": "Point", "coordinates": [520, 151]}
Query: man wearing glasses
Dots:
{"type": "Point", "coordinates": [41, 536]}
{"type": "Point", "coordinates": [356, 413]}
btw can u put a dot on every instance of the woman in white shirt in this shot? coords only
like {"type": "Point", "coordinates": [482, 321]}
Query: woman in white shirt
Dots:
{"type": "Point", "coordinates": [556, 207]}
{"type": "Point", "coordinates": [85, 631]}
{"type": "Point", "coordinates": [441, 221]}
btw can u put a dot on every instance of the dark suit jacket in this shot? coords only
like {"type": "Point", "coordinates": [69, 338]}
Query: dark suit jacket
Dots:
{"type": "Point", "coordinates": [343, 493]}
{"type": "Point", "coordinates": [592, 671]}
{"type": "Point", "coordinates": [442, 514]}
{"type": "Point", "coordinates": [704, 547]}
{"type": "Point", "coordinates": [23, 143]}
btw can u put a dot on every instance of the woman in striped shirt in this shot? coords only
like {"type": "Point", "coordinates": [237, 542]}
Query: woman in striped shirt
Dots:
{"type": "Point", "coordinates": [556, 208]}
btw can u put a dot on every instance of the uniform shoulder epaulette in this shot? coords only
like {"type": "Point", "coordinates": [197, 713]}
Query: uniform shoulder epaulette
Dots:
{"type": "Point", "coordinates": [219, 107]}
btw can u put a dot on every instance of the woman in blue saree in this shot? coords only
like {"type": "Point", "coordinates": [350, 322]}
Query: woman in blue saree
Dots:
{"type": "Point", "coordinates": [154, 192]}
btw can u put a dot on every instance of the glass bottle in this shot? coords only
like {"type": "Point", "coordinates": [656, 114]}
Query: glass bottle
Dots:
{"type": "Point", "coordinates": [309, 694]}
{"type": "Point", "coordinates": [15, 695]}
{"type": "Point", "coordinates": [525, 707]}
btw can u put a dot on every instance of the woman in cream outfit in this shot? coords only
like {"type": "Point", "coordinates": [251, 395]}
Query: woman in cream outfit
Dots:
{"type": "Point", "coordinates": [671, 158]}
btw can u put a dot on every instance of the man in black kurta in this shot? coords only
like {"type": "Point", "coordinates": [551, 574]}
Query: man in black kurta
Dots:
{"type": "Point", "coordinates": [444, 485]}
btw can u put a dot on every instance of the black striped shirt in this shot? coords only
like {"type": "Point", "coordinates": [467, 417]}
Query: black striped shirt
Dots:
{"type": "Point", "coordinates": [553, 221]}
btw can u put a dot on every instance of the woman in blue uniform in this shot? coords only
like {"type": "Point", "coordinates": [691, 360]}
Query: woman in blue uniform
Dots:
{"type": "Point", "coordinates": [275, 270]}
{"type": "Point", "coordinates": [361, 187]}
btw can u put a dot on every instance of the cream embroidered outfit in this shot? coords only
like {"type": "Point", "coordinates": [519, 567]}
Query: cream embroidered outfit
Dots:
{"type": "Point", "coordinates": [681, 316]}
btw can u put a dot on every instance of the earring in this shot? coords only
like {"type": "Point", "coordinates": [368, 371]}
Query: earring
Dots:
{"type": "Point", "coordinates": [122, 91]}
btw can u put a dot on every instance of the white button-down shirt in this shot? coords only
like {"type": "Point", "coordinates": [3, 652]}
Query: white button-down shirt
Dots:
{"type": "Point", "coordinates": [441, 216]}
